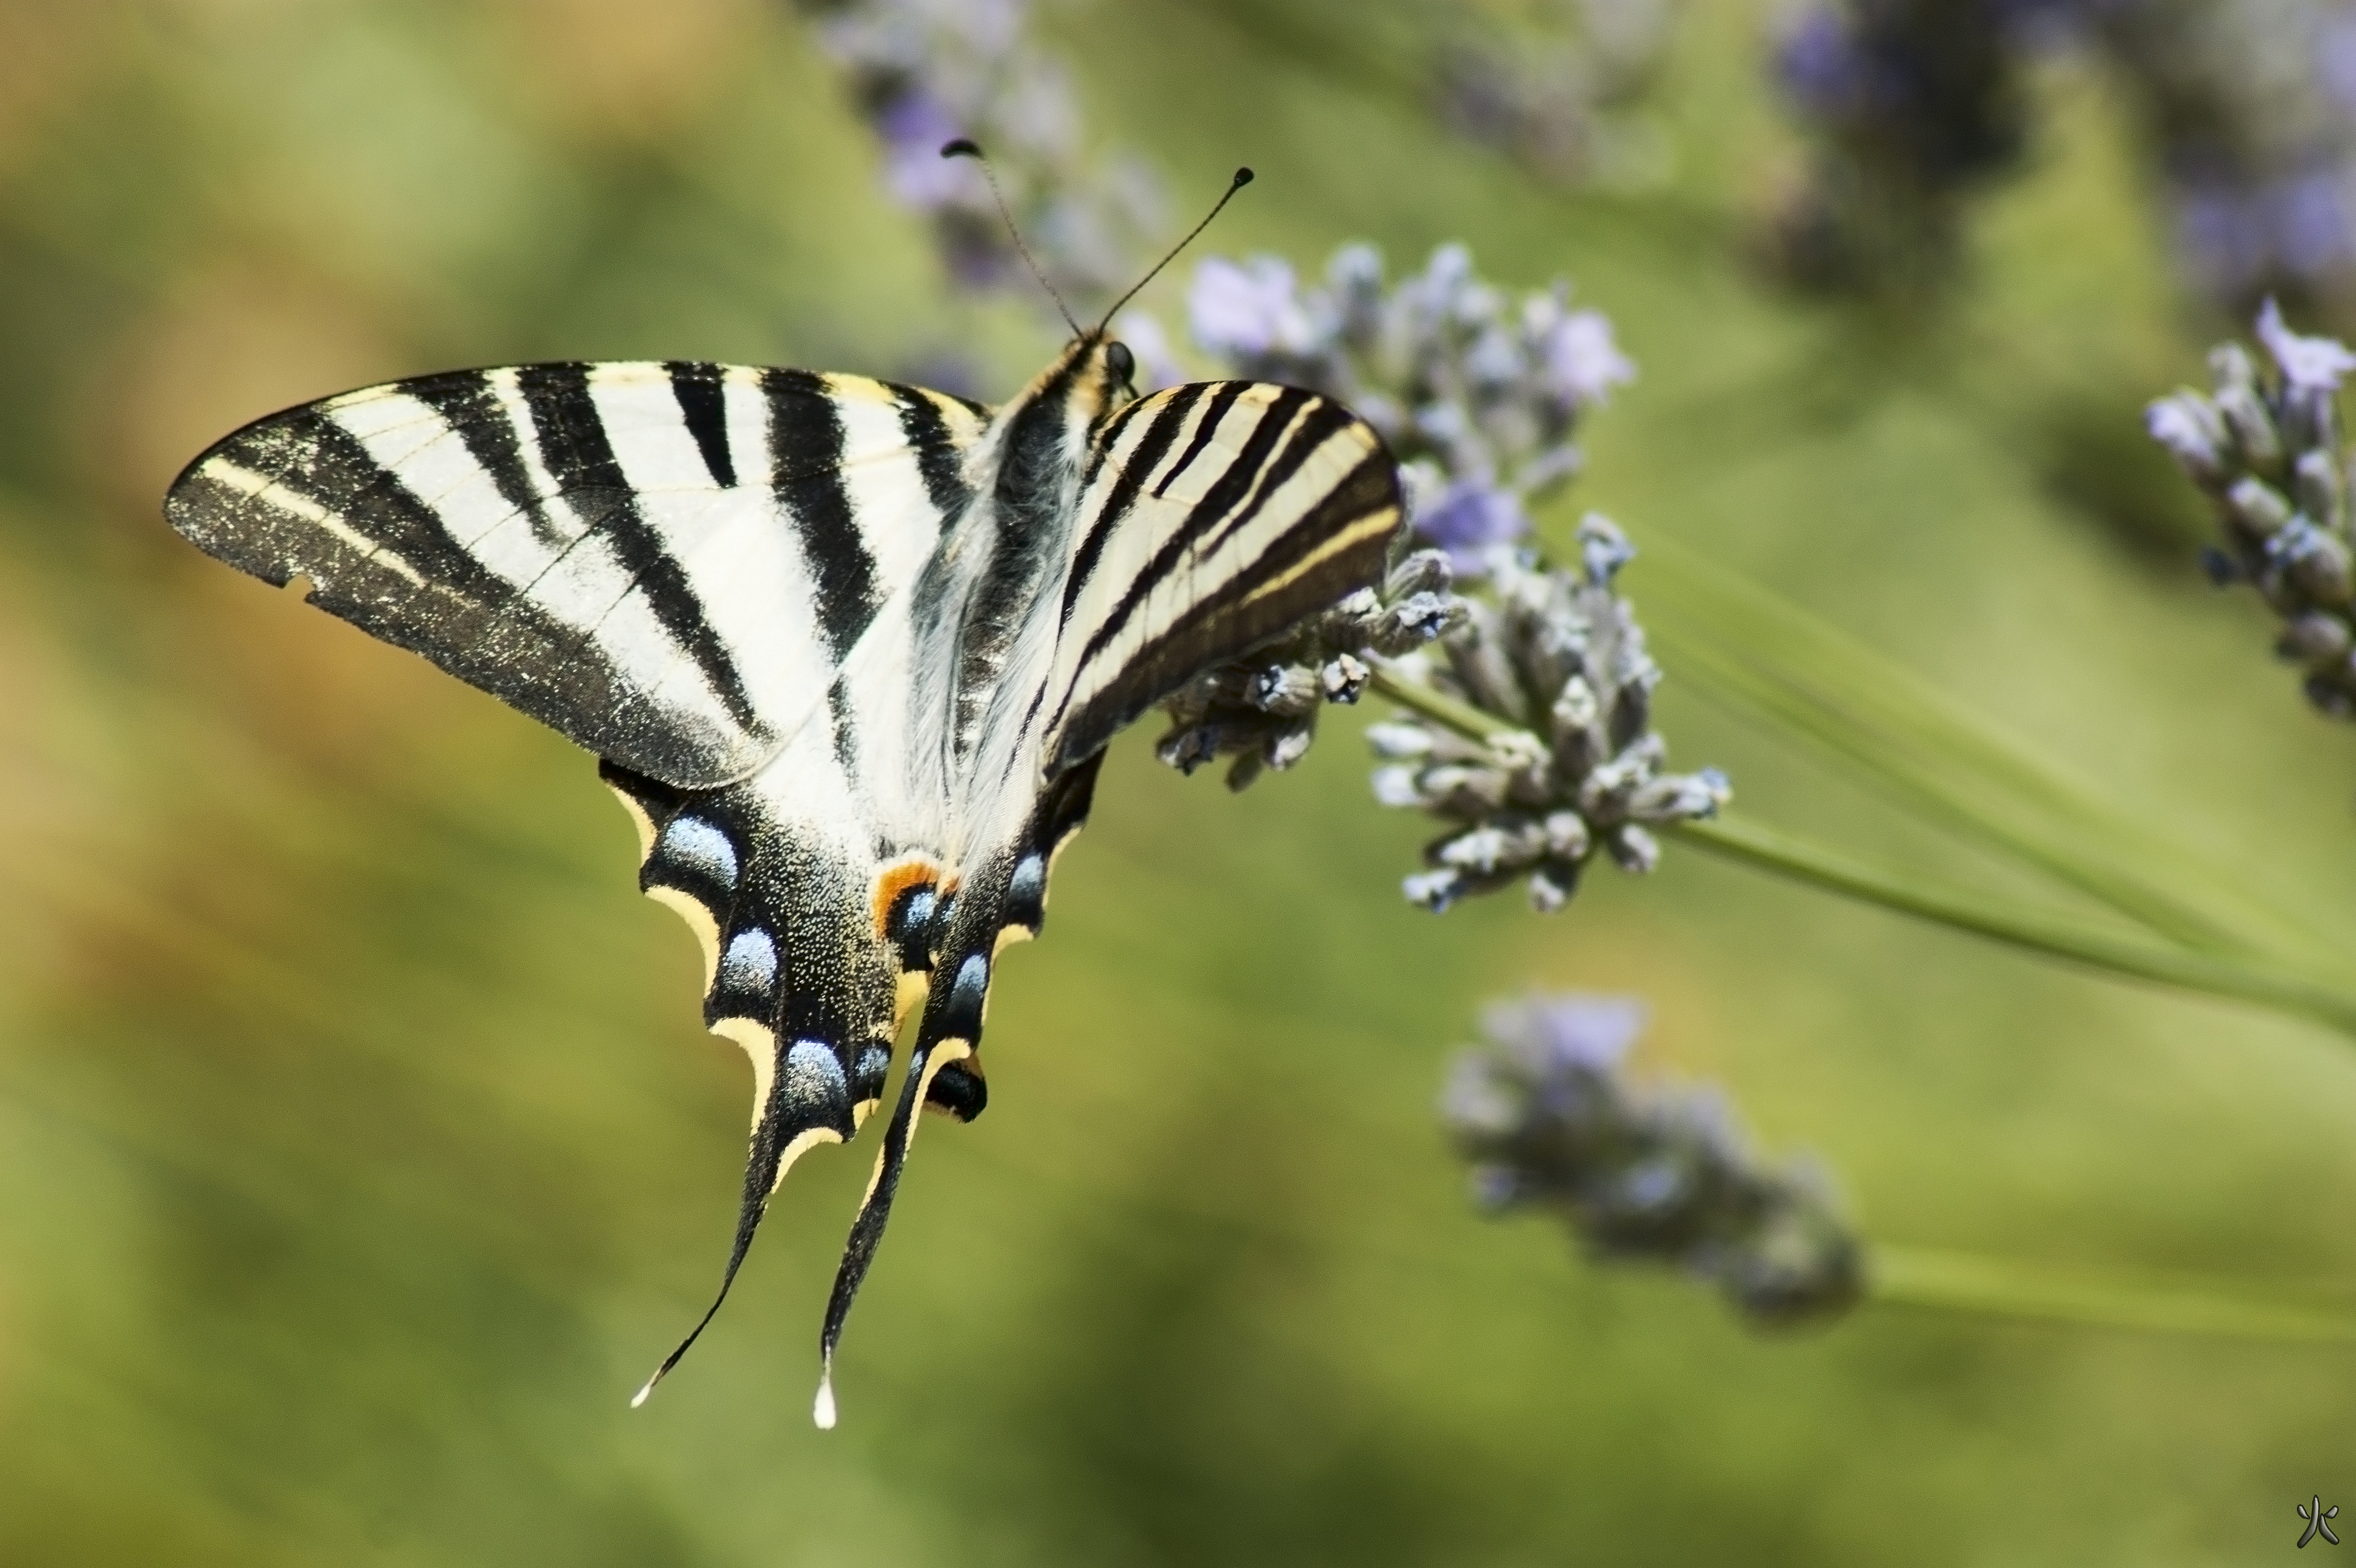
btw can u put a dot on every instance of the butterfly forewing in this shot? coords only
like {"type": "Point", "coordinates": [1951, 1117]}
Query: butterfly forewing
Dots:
{"type": "Point", "coordinates": [665, 562]}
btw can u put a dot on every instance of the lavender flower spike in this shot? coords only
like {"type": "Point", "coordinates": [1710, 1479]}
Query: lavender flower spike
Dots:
{"type": "Point", "coordinates": [2267, 453]}
{"type": "Point", "coordinates": [1479, 395]}
{"type": "Point", "coordinates": [1559, 653]}
{"type": "Point", "coordinates": [925, 72]}
{"type": "Point", "coordinates": [1550, 1119]}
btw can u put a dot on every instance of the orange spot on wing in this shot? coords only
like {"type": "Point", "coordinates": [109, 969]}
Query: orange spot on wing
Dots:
{"type": "Point", "coordinates": [914, 871]}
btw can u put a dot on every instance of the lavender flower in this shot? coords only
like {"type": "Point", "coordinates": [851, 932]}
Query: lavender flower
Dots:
{"type": "Point", "coordinates": [2247, 105]}
{"type": "Point", "coordinates": [1468, 517]}
{"type": "Point", "coordinates": [2311, 367]}
{"type": "Point", "coordinates": [2267, 451]}
{"type": "Point", "coordinates": [1479, 395]}
{"type": "Point", "coordinates": [2250, 107]}
{"type": "Point", "coordinates": [1910, 103]}
{"type": "Point", "coordinates": [926, 71]}
{"type": "Point", "coordinates": [1559, 655]}
{"type": "Point", "coordinates": [1248, 311]}
{"type": "Point", "coordinates": [1563, 90]}
{"type": "Point", "coordinates": [1549, 1120]}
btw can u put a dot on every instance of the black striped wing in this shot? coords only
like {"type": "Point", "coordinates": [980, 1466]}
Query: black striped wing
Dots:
{"type": "Point", "coordinates": [667, 563]}
{"type": "Point", "coordinates": [1214, 516]}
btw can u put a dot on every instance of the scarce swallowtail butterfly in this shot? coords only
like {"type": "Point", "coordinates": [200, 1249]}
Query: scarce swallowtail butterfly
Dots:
{"type": "Point", "coordinates": [848, 651]}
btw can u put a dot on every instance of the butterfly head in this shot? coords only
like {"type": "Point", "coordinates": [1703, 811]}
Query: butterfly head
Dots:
{"type": "Point", "coordinates": [1105, 367]}
{"type": "Point", "coordinates": [1095, 376]}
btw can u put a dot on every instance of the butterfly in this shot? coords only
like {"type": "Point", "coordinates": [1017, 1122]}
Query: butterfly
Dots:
{"type": "Point", "coordinates": [848, 651]}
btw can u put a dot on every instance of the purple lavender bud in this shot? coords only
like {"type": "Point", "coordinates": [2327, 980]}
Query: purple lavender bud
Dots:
{"type": "Point", "coordinates": [1433, 890]}
{"type": "Point", "coordinates": [1674, 798]}
{"type": "Point", "coordinates": [1282, 689]}
{"type": "Point", "coordinates": [2316, 364]}
{"type": "Point", "coordinates": [1632, 849]}
{"type": "Point", "coordinates": [2257, 506]}
{"type": "Point", "coordinates": [1603, 549]}
{"type": "Point", "coordinates": [1415, 620]}
{"type": "Point", "coordinates": [1246, 310]}
{"type": "Point", "coordinates": [1420, 572]}
{"type": "Point", "coordinates": [914, 127]}
{"type": "Point", "coordinates": [1393, 739]}
{"type": "Point", "coordinates": [2317, 562]}
{"type": "Point", "coordinates": [1189, 748]}
{"type": "Point", "coordinates": [1343, 679]}
{"type": "Point", "coordinates": [1818, 65]}
{"type": "Point", "coordinates": [1581, 362]}
{"type": "Point", "coordinates": [1471, 516]}
{"type": "Point", "coordinates": [1552, 884]}
{"type": "Point", "coordinates": [1283, 749]}
{"type": "Point", "coordinates": [2329, 699]}
{"type": "Point", "coordinates": [1575, 1030]}
{"type": "Point", "coordinates": [2190, 426]}
{"type": "Point", "coordinates": [2315, 638]}
{"type": "Point", "coordinates": [2315, 483]}
{"type": "Point", "coordinates": [2255, 436]}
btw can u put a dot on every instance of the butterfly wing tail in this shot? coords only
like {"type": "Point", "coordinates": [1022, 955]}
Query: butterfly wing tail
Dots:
{"type": "Point", "coordinates": [1005, 900]}
{"type": "Point", "coordinates": [795, 973]}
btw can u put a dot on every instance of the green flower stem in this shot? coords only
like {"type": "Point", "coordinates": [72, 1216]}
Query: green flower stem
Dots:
{"type": "Point", "coordinates": [2246, 980]}
{"type": "Point", "coordinates": [1956, 1282]}
{"type": "Point", "coordinates": [2260, 980]}
{"type": "Point", "coordinates": [1745, 686]}
{"type": "Point", "coordinates": [1472, 723]}
{"type": "Point", "coordinates": [1779, 664]}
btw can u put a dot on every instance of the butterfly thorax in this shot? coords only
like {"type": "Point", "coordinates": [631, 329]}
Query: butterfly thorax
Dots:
{"type": "Point", "coordinates": [1009, 550]}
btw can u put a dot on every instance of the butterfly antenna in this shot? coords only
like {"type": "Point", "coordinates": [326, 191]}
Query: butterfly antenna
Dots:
{"type": "Point", "coordinates": [964, 148]}
{"type": "Point", "coordinates": [1242, 178]}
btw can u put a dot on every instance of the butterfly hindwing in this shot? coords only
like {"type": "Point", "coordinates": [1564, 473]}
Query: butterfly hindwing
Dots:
{"type": "Point", "coordinates": [802, 966]}
{"type": "Point", "coordinates": [667, 563]}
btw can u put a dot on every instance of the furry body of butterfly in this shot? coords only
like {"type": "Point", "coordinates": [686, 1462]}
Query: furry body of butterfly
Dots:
{"type": "Point", "coordinates": [850, 651]}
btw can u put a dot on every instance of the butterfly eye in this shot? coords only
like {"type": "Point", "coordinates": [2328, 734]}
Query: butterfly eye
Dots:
{"type": "Point", "coordinates": [1120, 361]}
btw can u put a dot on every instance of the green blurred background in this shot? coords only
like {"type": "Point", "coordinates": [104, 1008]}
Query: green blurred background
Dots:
{"type": "Point", "coordinates": [359, 1151]}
